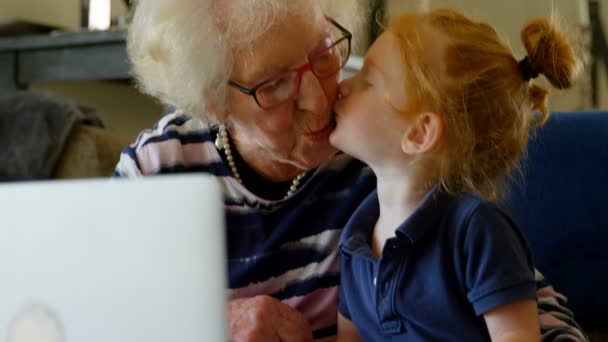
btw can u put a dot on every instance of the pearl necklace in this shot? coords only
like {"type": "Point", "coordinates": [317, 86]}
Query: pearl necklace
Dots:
{"type": "Point", "coordinates": [223, 143]}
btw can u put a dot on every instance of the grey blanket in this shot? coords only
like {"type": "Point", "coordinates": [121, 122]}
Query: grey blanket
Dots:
{"type": "Point", "coordinates": [34, 128]}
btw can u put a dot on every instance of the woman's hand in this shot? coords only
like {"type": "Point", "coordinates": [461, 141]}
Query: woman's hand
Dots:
{"type": "Point", "coordinates": [264, 318]}
{"type": "Point", "coordinates": [347, 332]}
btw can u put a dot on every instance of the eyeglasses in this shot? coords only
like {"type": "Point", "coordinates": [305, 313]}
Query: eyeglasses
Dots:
{"type": "Point", "coordinates": [286, 85]}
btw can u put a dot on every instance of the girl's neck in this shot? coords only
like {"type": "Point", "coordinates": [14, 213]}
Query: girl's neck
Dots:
{"type": "Point", "coordinates": [400, 192]}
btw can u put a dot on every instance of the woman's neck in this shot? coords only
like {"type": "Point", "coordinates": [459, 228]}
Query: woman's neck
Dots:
{"type": "Point", "coordinates": [263, 162]}
{"type": "Point", "coordinates": [400, 192]}
{"type": "Point", "coordinates": [254, 182]}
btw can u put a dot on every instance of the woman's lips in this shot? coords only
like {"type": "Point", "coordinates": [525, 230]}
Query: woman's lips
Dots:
{"type": "Point", "coordinates": [322, 135]}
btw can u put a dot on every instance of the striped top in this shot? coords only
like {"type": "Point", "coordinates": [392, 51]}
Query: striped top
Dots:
{"type": "Point", "coordinates": [288, 248]}
{"type": "Point", "coordinates": [285, 248]}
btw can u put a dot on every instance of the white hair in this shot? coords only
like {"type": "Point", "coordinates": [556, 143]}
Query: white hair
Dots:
{"type": "Point", "coordinates": [181, 51]}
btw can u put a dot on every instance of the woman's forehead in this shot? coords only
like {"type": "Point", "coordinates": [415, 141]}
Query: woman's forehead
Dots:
{"type": "Point", "coordinates": [287, 44]}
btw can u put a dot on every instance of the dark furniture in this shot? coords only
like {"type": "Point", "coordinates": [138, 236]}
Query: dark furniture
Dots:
{"type": "Point", "coordinates": [559, 199]}
{"type": "Point", "coordinates": [65, 56]}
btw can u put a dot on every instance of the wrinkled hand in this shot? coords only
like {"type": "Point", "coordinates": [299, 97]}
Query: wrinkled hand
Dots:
{"type": "Point", "coordinates": [266, 319]}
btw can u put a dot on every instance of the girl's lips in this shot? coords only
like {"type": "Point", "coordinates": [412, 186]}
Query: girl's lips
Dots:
{"type": "Point", "coordinates": [322, 135]}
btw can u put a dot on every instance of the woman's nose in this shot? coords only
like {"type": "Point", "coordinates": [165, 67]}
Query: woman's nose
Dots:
{"type": "Point", "coordinates": [311, 96]}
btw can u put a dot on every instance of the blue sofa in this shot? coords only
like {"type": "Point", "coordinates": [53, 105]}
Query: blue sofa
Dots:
{"type": "Point", "coordinates": [560, 199]}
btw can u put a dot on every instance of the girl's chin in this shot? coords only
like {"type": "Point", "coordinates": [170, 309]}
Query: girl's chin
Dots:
{"type": "Point", "coordinates": [334, 141]}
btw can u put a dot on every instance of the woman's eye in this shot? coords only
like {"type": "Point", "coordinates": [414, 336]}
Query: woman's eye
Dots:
{"type": "Point", "coordinates": [276, 84]}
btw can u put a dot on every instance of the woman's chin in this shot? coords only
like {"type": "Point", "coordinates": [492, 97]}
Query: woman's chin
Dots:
{"type": "Point", "coordinates": [317, 155]}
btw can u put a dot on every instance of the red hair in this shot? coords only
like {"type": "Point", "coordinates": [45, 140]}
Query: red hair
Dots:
{"type": "Point", "coordinates": [467, 74]}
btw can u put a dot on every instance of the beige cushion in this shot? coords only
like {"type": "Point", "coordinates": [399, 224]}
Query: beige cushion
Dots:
{"type": "Point", "coordinates": [90, 152]}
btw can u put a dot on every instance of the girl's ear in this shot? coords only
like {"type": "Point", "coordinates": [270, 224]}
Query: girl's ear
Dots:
{"type": "Point", "coordinates": [423, 135]}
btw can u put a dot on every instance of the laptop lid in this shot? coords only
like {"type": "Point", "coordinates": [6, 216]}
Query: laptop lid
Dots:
{"type": "Point", "coordinates": [113, 260]}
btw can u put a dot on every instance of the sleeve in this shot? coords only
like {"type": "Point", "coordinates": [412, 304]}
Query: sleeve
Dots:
{"type": "Point", "coordinates": [496, 260]}
{"type": "Point", "coordinates": [128, 165]}
{"type": "Point", "coordinates": [342, 302]}
{"type": "Point", "coordinates": [556, 320]}
{"type": "Point", "coordinates": [343, 306]}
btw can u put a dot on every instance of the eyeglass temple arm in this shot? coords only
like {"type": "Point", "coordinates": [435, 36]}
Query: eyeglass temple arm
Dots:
{"type": "Point", "coordinates": [241, 88]}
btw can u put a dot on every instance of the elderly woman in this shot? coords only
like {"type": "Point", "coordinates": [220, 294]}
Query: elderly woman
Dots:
{"type": "Point", "coordinates": [254, 83]}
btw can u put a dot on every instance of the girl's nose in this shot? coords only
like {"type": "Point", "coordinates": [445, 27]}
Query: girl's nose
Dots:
{"type": "Point", "coordinates": [343, 89]}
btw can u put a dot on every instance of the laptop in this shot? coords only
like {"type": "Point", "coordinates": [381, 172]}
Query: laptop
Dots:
{"type": "Point", "coordinates": [113, 260]}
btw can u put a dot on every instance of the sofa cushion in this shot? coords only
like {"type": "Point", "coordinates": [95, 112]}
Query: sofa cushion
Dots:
{"type": "Point", "coordinates": [34, 129]}
{"type": "Point", "coordinates": [560, 199]}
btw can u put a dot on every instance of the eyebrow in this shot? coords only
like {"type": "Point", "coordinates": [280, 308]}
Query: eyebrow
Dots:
{"type": "Point", "coordinates": [269, 71]}
{"type": "Point", "coordinates": [272, 70]}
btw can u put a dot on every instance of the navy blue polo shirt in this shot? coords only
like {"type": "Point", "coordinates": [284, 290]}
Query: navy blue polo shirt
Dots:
{"type": "Point", "coordinates": [450, 261]}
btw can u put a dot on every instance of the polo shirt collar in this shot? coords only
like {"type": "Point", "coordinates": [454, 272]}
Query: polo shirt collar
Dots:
{"type": "Point", "coordinates": [426, 216]}
{"type": "Point", "coordinates": [361, 225]}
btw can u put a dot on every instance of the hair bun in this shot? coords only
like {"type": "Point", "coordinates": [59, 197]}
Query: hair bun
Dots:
{"type": "Point", "coordinates": [551, 53]}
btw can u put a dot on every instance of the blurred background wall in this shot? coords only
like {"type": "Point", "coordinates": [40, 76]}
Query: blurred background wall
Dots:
{"type": "Point", "coordinates": [128, 111]}
{"type": "Point", "coordinates": [509, 17]}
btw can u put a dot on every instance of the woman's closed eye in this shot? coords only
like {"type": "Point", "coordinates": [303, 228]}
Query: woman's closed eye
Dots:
{"type": "Point", "coordinates": [276, 84]}
{"type": "Point", "coordinates": [278, 89]}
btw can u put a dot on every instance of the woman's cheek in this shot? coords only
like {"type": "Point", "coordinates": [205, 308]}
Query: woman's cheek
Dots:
{"type": "Point", "coordinates": [278, 120]}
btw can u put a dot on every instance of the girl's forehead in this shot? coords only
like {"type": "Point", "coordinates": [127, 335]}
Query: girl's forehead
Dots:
{"type": "Point", "coordinates": [385, 59]}
{"type": "Point", "coordinates": [385, 56]}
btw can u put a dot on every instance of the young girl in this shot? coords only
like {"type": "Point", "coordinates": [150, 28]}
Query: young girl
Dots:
{"type": "Point", "coordinates": [441, 111]}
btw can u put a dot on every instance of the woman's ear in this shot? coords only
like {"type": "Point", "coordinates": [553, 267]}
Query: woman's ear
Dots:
{"type": "Point", "coordinates": [212, 113]}
{"type": "Point", "coordinates": [423, 135]}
